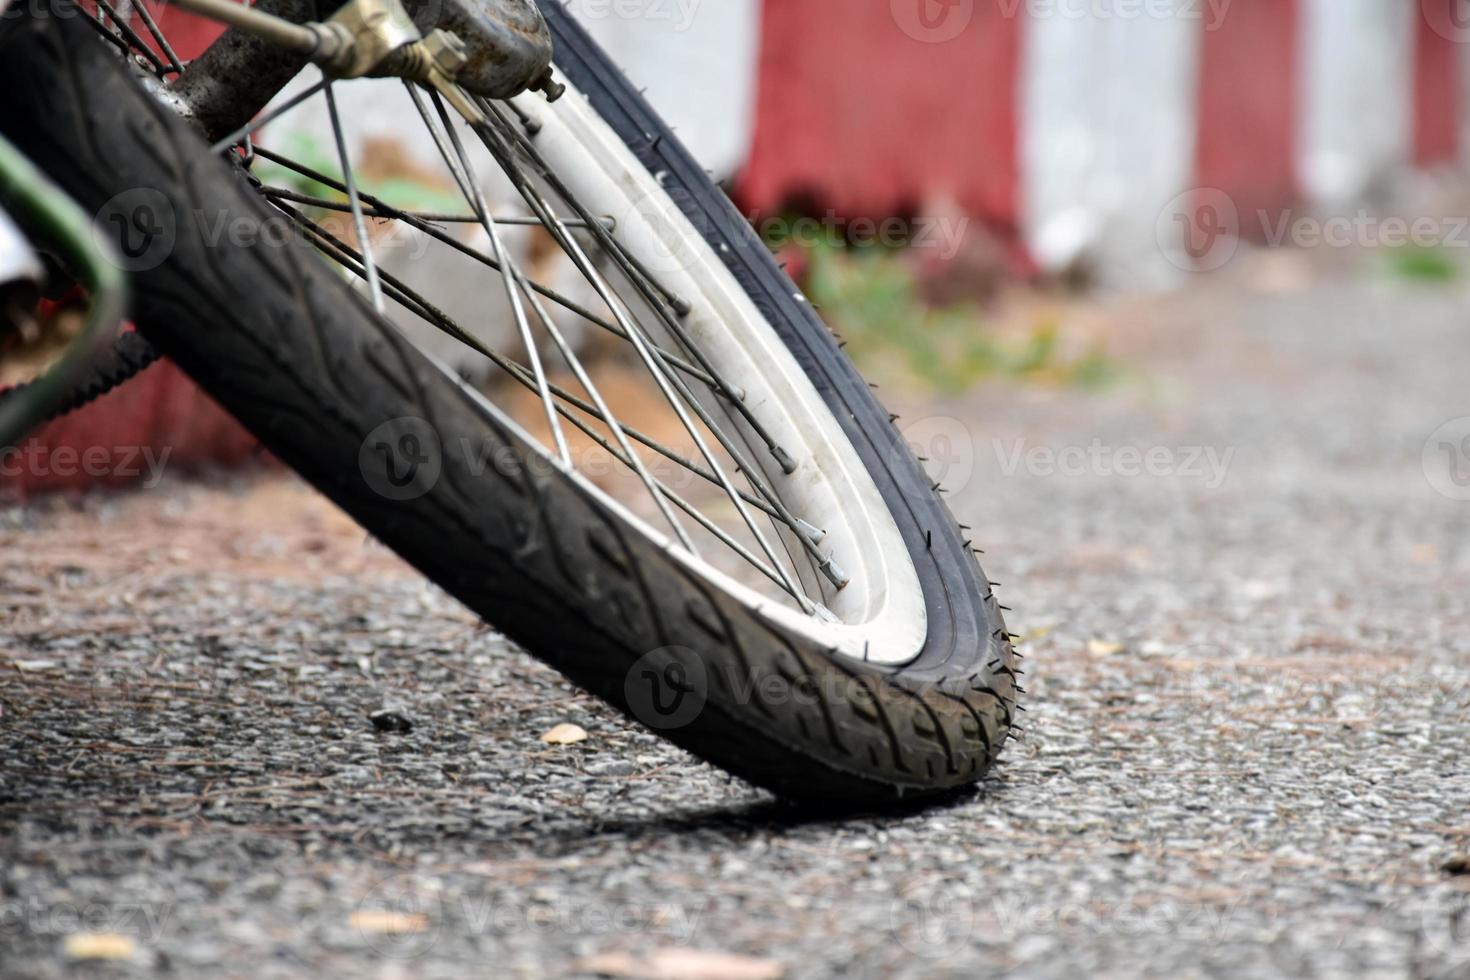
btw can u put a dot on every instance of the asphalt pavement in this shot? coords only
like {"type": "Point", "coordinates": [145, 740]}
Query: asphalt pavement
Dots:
{"type": "Point", "coordinates": [238, 738]}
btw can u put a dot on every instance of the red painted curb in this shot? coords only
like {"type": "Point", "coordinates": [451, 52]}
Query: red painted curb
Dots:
{"type": "Point", "coordinates": [856, 114]}
{"type": "Point", "coordinates": [1436, 88]}
{"type": "Point", "coordinates": [1248, 110]}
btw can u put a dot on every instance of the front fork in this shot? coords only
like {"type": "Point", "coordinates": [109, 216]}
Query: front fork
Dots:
{"type": "Point", "coordinates": [490, 48]}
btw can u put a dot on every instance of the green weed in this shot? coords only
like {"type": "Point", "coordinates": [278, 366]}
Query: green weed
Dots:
{"type": "Point", "coordinates": [871, 298]}
{"type": "Point", "coordinates": [1421, 265]}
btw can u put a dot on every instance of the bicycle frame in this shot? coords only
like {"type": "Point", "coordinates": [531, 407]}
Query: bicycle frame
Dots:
{"type": "Point", "coordinates": [47, 214]}
{"type": "Point", "coordinates": [503, 48]}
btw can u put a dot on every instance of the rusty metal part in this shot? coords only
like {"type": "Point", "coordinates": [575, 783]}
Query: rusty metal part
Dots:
{"type": "Point", "coordinates": [239, 74]}
{"type": "Point", "coordinates": [308, 39]}
{"type": "Point", "coordinates": [434, 62]}
{"type": "Point", "coordinates": [504, 46]}
{"type": "Point", "coordinates": [507, 44]}
{"type": "Point", "coordinates": [369, 32]}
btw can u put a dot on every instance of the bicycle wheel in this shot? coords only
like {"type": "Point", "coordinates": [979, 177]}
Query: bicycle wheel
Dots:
{"type": "Point", "coordinates": [801, 609]}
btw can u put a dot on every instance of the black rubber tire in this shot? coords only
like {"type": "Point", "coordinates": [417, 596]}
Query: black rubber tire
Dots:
{"type": "Point", "coordinates": [278, 339]}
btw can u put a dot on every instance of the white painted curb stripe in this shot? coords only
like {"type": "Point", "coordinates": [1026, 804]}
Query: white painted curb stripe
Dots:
{"type": "Point", "coordinates": [1107, 136]}
{"type": "Point", "coordinates": [1356, 91]}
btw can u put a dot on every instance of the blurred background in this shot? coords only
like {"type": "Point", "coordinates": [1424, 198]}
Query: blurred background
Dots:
{"type": "Point", "coordinates": [954, 181]}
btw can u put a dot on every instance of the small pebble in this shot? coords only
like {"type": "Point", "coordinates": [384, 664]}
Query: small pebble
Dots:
{"type": "Point", "coordinates": [390, 720]}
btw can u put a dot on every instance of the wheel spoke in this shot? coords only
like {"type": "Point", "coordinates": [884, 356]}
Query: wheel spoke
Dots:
{"type": "Point", "coordinates": [295, 197]}
{"type": "Point", "coordinates": [674, 391]}
{"type": "Point", "coordinates": [568, 354]}
{"type": "Point", "coordinates": [383, 209]}
{"type": "Point", "coordinates": [825, 563]}
{"type": "Point", "coordinates": [650, 289]}
{"type": "Point", "coordinates": [629, 459]}
{"type": "Point", "coordinates": [350, 259]}
{"type": "Point", "coordinates": [131, 36]}
{"type": "Point", "coordinates": [110, 36]}
{"type": "Point", "coordinates": [260, 122]}
{"type": "Point", "coordinates": [416, 304]}
{"type": "Point", "coordinates": [375, 286]}
{"type": "Point", "coordinates": [175, 65]}
{"type": "Point", "coordinates": [459, 167]}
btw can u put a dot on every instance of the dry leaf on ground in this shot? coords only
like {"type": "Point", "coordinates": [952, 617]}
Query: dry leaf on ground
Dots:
{"type": "Point", "coordinates": [677, 963]}
{"type": "Point", "coordinates": [99, 946]}
{"type": "Point", "coordinates": [565, 734]}
{"type": "Point", "coordinates": [384, 922]}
